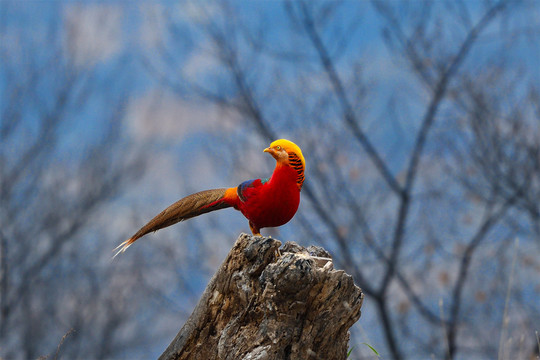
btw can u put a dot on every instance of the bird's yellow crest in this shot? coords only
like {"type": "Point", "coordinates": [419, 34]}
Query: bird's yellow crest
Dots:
{"type": "Point", "coordinates": [290, 147]}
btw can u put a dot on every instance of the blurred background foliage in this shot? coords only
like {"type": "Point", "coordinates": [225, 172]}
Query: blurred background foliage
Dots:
{"type": "Point", "coordinates": [419, 121]}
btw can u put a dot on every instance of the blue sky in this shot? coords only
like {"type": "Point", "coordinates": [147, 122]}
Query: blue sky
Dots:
{"type": "Point", "coordinates": [118, 48]}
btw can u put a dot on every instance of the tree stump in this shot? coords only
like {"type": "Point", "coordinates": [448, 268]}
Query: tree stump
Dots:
{"type": "Point", "coordinates": [262, 306]}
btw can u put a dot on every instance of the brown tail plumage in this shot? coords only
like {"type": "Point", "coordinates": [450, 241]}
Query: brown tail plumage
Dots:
{"type": "Point", "coordinates": [188, 207]}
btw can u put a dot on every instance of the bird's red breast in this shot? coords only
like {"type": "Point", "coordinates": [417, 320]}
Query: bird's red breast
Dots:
{"type": "Point", "coordinates": [273, 202]}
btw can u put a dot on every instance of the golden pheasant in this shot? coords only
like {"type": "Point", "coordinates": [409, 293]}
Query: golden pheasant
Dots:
{"type": "Point", "coordinates": [264, 202]}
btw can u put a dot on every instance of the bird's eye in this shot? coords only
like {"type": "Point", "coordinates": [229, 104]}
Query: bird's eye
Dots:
{"type": "Point", "coordinates": [278, 147]}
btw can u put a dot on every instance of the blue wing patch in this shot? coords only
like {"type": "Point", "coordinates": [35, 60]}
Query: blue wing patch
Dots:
{"type": "Point", "coordinates": [241, 189]}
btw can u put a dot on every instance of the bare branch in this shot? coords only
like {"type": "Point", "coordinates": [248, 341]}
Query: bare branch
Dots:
{"type": "Point", "coordinates": [348, 112]}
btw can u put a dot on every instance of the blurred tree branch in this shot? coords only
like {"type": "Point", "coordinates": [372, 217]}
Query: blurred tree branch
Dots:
{"type": "Point", "coordinates": [52, 183]}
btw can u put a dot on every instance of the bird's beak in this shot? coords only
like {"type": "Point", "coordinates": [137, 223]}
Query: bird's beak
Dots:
{"type": "Point", "coordinates": [272, 151]}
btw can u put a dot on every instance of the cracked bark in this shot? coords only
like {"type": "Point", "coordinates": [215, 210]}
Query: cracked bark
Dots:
{"type": "Point", "coordinates": [257, 306]}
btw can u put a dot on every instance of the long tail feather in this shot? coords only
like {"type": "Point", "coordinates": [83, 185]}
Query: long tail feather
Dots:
{"type": "Point", "coordinates": [186, 208]}
{"type": "Point", "coordinates": [123, 246]}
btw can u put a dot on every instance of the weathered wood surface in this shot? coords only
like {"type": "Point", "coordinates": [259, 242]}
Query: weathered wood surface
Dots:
{"type": "Point", "coordinates": [262, 306]}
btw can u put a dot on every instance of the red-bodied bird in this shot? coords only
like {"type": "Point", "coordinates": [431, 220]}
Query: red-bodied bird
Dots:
{"type": "Point", "coordinates": [264, 202]}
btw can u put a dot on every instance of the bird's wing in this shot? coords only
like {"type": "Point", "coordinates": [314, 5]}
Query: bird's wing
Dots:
{"type": "Point", "coordinates": [247, 188]}
{"type": "Point", "coordinates": [188, 207]}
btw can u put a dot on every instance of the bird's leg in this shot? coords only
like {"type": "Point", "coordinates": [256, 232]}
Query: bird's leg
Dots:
{"type": "Point", "coordinates": [254, 229]}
